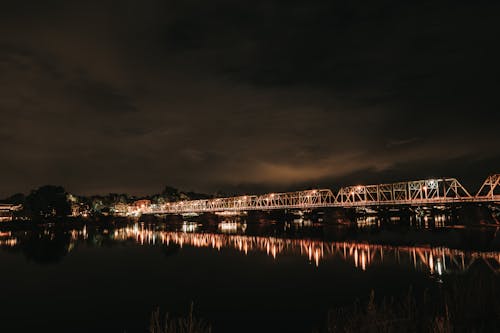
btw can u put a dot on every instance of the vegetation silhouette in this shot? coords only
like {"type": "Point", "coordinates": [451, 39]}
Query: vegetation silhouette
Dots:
{"type": "Point", "coordinates": [48, 201]}
{"type": "Point", "coordinates": [462, 303]}
{"type": "Point", "coordinates": [189, 324]}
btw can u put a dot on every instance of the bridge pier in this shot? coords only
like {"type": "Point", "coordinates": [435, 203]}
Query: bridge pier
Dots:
{"type": "Point", "coordinates": [261, 216]}
{"type": "Point", "coordinates": [167, 219]}
{"type": "Point", "coordinates": [338, 216]}
{"type": "Point", "coordinates": [208, 218]}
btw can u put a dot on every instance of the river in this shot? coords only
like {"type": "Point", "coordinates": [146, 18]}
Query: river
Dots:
{"type": "Point", "coordinates": [266, 277]}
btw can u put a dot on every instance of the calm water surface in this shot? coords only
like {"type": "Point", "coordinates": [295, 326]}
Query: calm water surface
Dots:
{"type": "Point", "coordinates": [241, 278]}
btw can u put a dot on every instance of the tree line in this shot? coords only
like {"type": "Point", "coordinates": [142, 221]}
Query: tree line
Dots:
{"type": "Point", "coordinates": [52, 202]}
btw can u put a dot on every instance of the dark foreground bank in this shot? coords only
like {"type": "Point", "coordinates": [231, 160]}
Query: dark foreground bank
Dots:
{"type": "Point", "coordinates": [462, 303]}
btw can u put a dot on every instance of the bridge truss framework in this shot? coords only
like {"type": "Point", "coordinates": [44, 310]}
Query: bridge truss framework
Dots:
{"type": "Point", "coordinates": [412, 193]}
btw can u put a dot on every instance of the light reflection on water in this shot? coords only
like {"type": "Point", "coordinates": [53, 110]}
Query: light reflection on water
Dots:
{"type": "Point", "coordinates": [435, 260]}
{"type": "Point", "coordinates": [7, 240]}
{"type": "Point", "coordinates": [417, 221]}
{"type": "Point", "coordinates": [362, 255]}
{"type": "Point", "coordinates": [229, 227]}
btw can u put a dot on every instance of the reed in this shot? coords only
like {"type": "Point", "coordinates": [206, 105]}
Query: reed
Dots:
{"type": "Point", "coordinates": [460, 304]}
{"type": "Point", "coordinates": [463, 303]}
{"type": "Point", "coordinates": [189, 324]}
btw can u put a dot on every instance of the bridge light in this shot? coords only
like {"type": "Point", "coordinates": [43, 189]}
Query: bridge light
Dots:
{"type": "Point", "coordinates": [432, 184]}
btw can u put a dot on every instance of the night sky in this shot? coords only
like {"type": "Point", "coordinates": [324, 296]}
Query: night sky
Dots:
{"type": "Point", "coordinates": [246, 96]}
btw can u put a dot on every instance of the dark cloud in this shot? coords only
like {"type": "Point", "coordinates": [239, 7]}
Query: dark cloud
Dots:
{"type": "Point", "coordinates": [129, 96]}
{"type": "Point", "coordinates": [99, 97]}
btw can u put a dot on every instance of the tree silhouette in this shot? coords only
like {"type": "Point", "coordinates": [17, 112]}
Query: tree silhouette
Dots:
{"type": "Point", "coordinates": [48, 201]}
{"type": "Point", "coordinates": [171, 194]}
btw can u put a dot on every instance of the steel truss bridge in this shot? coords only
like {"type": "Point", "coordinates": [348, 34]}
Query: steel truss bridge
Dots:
{"type": "Point", "coordinates": [438, 191]}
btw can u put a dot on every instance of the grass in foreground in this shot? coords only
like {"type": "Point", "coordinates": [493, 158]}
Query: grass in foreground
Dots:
{"type": "Point", "coordinates": [189, 324]}
{"type": "Point", "coordinates": [461, 304]}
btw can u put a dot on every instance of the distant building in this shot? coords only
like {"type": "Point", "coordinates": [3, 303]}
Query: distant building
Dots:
{"type": "Point", "coordinates": [7, 211]}
{"type": "Point", "coordinates": [140, 206]}
{"type": "Point", "coordinates": [79, 209]}
{"type": "Point", "coordinates": [121, 209]}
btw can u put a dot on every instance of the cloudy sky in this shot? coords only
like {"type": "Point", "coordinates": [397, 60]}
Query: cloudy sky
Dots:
{"type": "Point", "coordinates": [246, 96]}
